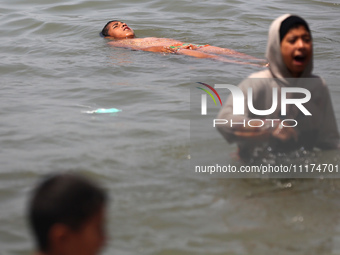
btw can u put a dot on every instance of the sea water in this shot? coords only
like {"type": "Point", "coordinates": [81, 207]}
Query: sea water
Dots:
{"type": "Point", "coordinates": [54, 67]}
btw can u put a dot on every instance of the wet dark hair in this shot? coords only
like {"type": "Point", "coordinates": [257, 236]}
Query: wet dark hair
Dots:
{"type": "Point", "coordinates": [292, 22]}
{"type": "Point", "coordinates": [105, 29]}
{"type": "Point", "coordinates": [63, 198]}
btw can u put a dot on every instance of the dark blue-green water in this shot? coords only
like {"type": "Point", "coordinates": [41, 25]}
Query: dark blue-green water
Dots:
{"type": "Point", "coordinates": [54, 66]}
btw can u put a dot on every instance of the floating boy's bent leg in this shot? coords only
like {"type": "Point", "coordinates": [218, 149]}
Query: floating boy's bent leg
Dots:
{"type": "Point", "coordinates": [225, 51]}
{"type": "Point", "coordinates": [199, 54]}
{"type": "Point", "coordinates": [195, 53]}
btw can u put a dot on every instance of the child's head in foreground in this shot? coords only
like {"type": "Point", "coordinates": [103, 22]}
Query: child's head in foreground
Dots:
{"type": "Point", "coordinates": [67, 215]}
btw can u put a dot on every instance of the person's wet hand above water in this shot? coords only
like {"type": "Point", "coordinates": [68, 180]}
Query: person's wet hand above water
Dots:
{"type": "Point", "coordinates": [285, 133]}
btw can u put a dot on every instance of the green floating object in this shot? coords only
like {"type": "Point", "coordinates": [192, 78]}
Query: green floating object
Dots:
{"type": "Point", "coordinates": [103, 110]}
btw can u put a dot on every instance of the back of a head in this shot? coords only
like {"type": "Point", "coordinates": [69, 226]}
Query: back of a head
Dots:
{"type": "Point", "coordinates": [63, 198]}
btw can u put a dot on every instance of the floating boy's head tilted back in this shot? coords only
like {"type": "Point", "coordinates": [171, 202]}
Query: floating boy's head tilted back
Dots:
{"type": "Point", "coordinates": [117, 30]}
{"type": "Point", "coordinates": [67, 213]}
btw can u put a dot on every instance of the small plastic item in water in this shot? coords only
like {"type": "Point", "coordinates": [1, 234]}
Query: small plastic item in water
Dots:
{"type": "Point", "coordinates": [111, 110]}
{"type": "Point", "coordinates": [103, 110]}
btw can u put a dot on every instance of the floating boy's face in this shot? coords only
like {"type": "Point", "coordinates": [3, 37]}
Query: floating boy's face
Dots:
{"type": "Point", "coordinates": [89, 239]}
{"type": "Point", "coordinates": [120, 30]}
{"type": "Point", "coordinates": [296, 50]}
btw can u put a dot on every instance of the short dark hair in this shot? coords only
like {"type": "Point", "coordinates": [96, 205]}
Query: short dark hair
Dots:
{"type": "Point", "coordinates": [65, 198]}
{"type": "Point", "coordinates": [292, 22]}
{"type": "Point", "coordinates": [105, 29]}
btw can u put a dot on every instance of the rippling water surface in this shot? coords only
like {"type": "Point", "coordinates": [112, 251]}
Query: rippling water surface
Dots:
{"type": "Point", "coordinates": [54, 66]}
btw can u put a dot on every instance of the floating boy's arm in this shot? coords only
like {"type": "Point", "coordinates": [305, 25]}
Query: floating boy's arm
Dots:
{"type": "Point", "coordinates": [159, 49]}
{"type": "Point", "coordinates": [124, 45]}
{"type": "Point", "coordinates": [143, 48]}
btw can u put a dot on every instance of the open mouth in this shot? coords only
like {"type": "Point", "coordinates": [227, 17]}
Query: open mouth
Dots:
{"type": "Point", "coordinates": [127, 28]}
{"type": "Point", "coordinates": [300, 58]}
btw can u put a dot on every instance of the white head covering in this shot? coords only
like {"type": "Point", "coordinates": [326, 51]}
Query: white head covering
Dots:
{"type": "Point", "coordinates": [276, 65]}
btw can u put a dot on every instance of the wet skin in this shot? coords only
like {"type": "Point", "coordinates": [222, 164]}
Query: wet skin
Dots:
{"type": "Point", "coordinates": [296, 50]}
{"type": "Point", "coordinates": [88, 239]}
{"type": "Point", "coordinates": [119, 30]}
{"type": "Point", "coordinates": [124, 37]}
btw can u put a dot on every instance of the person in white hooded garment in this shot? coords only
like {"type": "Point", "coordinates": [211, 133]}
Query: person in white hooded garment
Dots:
{"type": "Point", "coordinates": [290, 57]}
